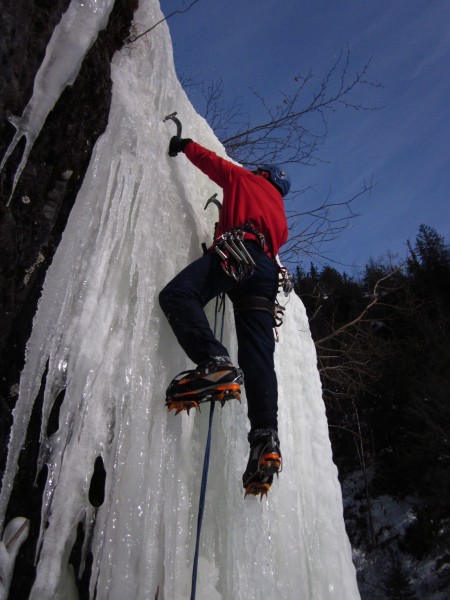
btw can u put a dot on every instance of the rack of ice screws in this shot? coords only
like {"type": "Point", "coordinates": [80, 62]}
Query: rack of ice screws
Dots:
{"type": "Point", "coordinates": [236, 260]}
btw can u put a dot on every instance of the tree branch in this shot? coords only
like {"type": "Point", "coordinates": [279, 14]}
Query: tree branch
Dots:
{"type": "Point", "coordinates": [175, 12]}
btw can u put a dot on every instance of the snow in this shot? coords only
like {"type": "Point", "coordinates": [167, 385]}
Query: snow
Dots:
{"type": "Point", "coordinates": [137, 221]}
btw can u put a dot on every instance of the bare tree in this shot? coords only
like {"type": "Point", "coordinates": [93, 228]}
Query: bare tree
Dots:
{"type": "Point", "coordinates": [221, 115]}
{"type": "Point", "coordinates": [350, 322]}
{"type": "Point", "coordinates": [292, 131]}
{"type": "Point", "coordinates": [311, 230]}
{"type": "Point", "coordinates": [295, 127]}
{"type": "Point", "coordinates": [134, 37]}
{"type": "Point", "coordinates": [350, 349]}
{"type": "Point", "coordinates": [347, 354]}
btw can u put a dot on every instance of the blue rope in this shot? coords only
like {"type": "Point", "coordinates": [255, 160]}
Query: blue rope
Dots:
{"type": "Point", "coordinates": [201, 504]}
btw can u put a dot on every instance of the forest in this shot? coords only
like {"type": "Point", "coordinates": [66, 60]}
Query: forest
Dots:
{"type": "Point", "coordinates": [383, 353]}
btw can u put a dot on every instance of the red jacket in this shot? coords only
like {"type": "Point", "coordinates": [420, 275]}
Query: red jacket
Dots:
{"type": "Point", "coordinates": [246, 196]}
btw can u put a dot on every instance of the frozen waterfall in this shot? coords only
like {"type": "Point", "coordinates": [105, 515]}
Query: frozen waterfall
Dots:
{"type": "Point", "coordinates": [138, 219]}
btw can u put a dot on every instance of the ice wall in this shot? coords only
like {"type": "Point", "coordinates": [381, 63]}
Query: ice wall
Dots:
{"type": "Point", "coordinates": [138, 219]}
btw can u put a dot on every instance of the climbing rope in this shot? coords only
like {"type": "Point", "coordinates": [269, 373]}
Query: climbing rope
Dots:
{"type": "Point", "coordinates": [220, 306]}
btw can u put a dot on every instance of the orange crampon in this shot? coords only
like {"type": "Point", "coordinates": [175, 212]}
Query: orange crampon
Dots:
{"type": "Point", "coordinates": [194, 399]}
{"type": "Point", "coordinates": [264, 462]}
{"type": "Point", "coordinates": [256, 488]}
{"type": "Point", "coordinates": [270, 462]}
{"type": "Point", "coordinates": [180, 405]}
{"type": "Point", "coordinates": [214, 382]}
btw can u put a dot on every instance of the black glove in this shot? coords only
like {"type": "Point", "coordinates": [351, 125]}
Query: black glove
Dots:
{"type": "Point", "coordinates": [177, 145]}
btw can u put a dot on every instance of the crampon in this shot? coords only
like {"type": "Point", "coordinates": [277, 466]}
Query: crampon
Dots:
{"type": "Point", "coordinates": [258, 488]}
{"type": "Point", "coordinates": [264, 462]}
{"type": "Point", "coordinates": [191, 389]}
{"type": "Point", "coordinates": [259, 484]}
{"type": "Point", "coordinates": [194, 400]}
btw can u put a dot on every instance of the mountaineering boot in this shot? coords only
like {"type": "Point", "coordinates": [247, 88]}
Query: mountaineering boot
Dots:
{"type": "Point", "coordinates": [216, 380]}
{"type": "Point", "coordinates": [264, 461]}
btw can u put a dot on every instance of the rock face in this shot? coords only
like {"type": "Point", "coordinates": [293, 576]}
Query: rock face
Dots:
{"type": "Point", "coordinates": [32, 224]}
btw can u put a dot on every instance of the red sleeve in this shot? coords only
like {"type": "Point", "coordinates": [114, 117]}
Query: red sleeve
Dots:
{"type": "Point", "coordinates": [215, 167]}
{"type": "Point", "coordinates": [246, 196]}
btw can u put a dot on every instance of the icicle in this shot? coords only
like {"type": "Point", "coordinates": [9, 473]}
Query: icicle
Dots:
{"type": "Point", "coordinates": [71, 39]}
{"type": "Point", "coordinates": [15, 534]}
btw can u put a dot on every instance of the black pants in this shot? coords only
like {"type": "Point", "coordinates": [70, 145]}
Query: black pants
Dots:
{"type": "Point", "coordinates": [183, 301]}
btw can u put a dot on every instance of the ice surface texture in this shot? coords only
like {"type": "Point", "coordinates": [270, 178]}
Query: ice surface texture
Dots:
{"type": "Point", "coordinates": [137, 221]}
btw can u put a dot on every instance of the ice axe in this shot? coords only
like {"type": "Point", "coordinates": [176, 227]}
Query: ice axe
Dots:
{"type": "Point", "coordinates": [214, 200]}
{"type": "Point", "coordinates": [173, 117]}
{"type": "Point", "coordinates": [218, 203]}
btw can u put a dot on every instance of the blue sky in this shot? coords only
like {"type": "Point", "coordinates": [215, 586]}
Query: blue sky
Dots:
{"type": "Point", "coordinates": [263, 44]}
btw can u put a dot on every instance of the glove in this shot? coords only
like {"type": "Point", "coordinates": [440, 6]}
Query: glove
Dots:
{"type": "Point", "coordinates": [178, 145]}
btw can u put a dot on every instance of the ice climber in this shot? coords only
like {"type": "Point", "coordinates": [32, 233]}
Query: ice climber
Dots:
{"type": "Point", "coordinates": [241, 263]}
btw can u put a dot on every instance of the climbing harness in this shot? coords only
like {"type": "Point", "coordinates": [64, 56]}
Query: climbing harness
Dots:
{"type": "Point", "coordinates": [239, 264]}
{"type": "Point", "coordinates": [220, 306]}
{"type": "Point", "coordinates": [285, 284]}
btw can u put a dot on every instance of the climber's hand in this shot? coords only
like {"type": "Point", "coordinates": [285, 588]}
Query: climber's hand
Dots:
{"type": "Point", "coordinates": [177, 145]}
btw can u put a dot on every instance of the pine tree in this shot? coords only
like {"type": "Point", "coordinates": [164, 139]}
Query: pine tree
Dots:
{"type": "Point", "coordinates": [397, 584]}
{"type": "Point", "coordinates": [429, 263]}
